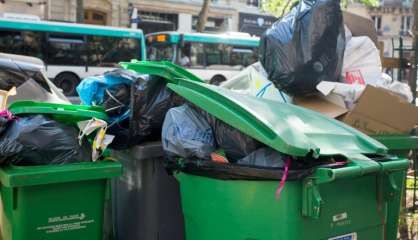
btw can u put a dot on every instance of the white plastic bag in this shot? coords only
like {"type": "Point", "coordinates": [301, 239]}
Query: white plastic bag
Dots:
{"type": "Point", "coordinates": [253, 81]}
{"type": "Point", "coordinates": [362, 62]}
{"type": "Point", "coordinates": [401, 89]}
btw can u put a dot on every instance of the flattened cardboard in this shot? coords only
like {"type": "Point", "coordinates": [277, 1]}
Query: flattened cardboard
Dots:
{"type": "Point", "coordinates": [320, 104]}
{"type": "Point", "coordinates": [378, 111]}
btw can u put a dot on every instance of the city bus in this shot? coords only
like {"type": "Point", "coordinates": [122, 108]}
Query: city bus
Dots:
{"type": "Point", "coordinates": [71, 51]}
{"type": "Point", "coordinates": [212, 57]}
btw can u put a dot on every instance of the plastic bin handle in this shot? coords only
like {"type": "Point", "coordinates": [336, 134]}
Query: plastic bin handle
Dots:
{"type": "Point", "coordinates": [359, 165]}
{"type": "Point", "coordinates": [311, 199]}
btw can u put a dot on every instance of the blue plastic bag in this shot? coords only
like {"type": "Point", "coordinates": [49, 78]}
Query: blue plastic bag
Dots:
{"type": "Point", "coordinates": [187, 134]}
{"type": "Point", "coordinates": [92, 90]}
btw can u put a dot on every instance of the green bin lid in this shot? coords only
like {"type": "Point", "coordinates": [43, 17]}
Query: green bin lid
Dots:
{"type": "Point", "coordinates": [169, 71]}
{"type": "Point", "coordinates": [61, 112]}
{"type": "Point", "coordinates": [18, 176]}
{"type": "Point", "coordinates": [285, 127]}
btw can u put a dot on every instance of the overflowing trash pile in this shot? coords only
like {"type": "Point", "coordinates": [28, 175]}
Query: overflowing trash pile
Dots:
{"type": "Point", "coordinates": [39, 126]}
{"type": "Point", "coordinates": [306, 59]}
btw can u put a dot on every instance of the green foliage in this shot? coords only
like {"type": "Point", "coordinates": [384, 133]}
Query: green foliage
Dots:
{"type": "Point", "coordinates": [280, 7]}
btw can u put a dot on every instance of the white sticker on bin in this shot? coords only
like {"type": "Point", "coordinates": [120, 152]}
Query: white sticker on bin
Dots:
{"type": "Point", "coordinates": [351, 236]}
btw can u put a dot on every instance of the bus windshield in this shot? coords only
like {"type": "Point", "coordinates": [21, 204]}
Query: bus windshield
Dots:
{"type": "Point", "coordinates": [212, 57]}
{"type": "Point", "coordinates": [217, 55]}
{"type": "Point", "coordinates": [161, 52]}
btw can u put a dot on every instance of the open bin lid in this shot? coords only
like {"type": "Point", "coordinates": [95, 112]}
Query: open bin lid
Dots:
{"type": "Point", "coordinates": [285, 127]}
{"type": "Point", "coordinates": [62, 112]}
{"type": "Point", "coordinates": [167, 70]}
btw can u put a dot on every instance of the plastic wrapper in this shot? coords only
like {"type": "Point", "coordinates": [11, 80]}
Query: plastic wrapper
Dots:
{"type": "Point", "coordinates": [150, 102]}
{"type": "Point", "coordinates": [305, 47]}
{"type": "Point", "coordinates": [38, 140]}
{"type": "Point", "coordinates": [187, 134]}
{"type": "Point", "coordinates": [263, 157]}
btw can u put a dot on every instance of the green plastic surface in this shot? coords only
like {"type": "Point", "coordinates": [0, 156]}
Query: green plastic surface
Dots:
{"type": "Point", "coordinates": [18, 176]}
{"type": "Point", "coordinates": [285, 127]}
{"type": "Point", "coordinates": [169, 71]}
{"type": "Point", "coordinates": [55, 202]}
{"type": "Point", "coordinates": [398, 142]}
{"type": "Point", "coordinates": [61, 112]}
{"type": "Point", "coordinates": [222, 209]}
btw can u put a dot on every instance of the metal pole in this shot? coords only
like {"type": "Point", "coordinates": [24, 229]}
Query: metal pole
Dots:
{"type": "Point", "coordinates": [134, 18]}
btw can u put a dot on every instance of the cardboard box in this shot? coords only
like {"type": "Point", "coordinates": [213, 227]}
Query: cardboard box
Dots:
{"type": "Point", "coordinates": [377, 111]}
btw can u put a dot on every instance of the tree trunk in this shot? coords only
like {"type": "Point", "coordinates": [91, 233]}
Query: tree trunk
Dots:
{"type": "Point", "coordinates": [203, 16]}
{"type": "Point", "coordinates": [80, 11]}
{"type": "Point", "coordinates": [413, 82]}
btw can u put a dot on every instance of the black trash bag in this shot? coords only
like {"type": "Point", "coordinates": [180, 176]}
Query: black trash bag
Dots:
{"type": "Point", "coordinates": [4, 124]}
{"type": "Point", "coordinates": [116, 99]}
{"type": "Point", "coordinates": [38, 140]}
{"type": "Point", "coordinates": [234, 171]}
{"type": "Point", "coordinates": [305, 47]}
{"type": "Point", "coordinates": [301, 167]}
{"type": "Point", "coordinates": [150, 101]}
{"type": "Point", "coordinates": [236, 144]}
{"type": "Point", "coordinates": [263, 157]}
{"type": "Point", "coordinates": [185, 133]}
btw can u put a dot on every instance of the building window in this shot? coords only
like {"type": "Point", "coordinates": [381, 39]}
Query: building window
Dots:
{"type": "Point", "coordinates": [212, 24]}
{"type": "Point", "coordinates": [406, 24]}
{"type": "Point", "coordinates": [95, 17]}
{"type": "Point", "coordinates": [377, 22]}
{"type": "Point", "coordinates": [252, 3]}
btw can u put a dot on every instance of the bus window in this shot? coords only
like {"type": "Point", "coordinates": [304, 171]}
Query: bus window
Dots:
{"type": "Point", "coordinates": [214, 54]}
{"type": "Point", "coordinates": [64, 49]}
{"type": "Point", "coordinates": [161, 52]}
{"type": "Point", "coordinates": [241, 56]}
{"type": "Point", "coordinates": [109, 51]}
{"type": "Point", "coordinates": [197, 54]}
{"type": "Point", "coordinates": [23, 42]}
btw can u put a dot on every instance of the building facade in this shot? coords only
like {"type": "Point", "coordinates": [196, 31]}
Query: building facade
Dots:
{"type": "Point", "coordinates": [393, 20]}
{"type": "Point", "coordinates": [176, 15]}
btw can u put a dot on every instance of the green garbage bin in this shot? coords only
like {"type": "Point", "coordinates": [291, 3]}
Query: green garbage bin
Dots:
{"type": "Point", "coordinates": [340, 203]}
{"type": "Point", "coordinates": [55, 202]}
{"type": "Point", "coordinates": [400, 145]}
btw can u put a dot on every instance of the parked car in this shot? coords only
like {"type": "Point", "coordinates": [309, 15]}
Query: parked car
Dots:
{"type": "Point", "coordinates": [27, 74]}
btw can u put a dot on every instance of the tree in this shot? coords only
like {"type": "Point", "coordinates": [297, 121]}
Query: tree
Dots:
{"type": "Point", "coordinates": [203, 16]}
{"type": "Point", "coordinates": [281, 7]}
{"type": "Point", "coordinates": [80, 11]}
